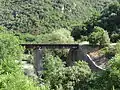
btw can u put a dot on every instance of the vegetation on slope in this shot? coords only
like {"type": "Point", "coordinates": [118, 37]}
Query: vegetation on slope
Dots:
{"type": "Point", "coordinates": [42, 16]}
{"type": "Point", "coordinates": [108, 19]}
{"type": "Point", "coordinates": [11, 74]}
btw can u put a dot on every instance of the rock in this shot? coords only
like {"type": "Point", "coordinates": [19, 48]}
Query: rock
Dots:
{"type": "Point", "coordinates": [28, 69]}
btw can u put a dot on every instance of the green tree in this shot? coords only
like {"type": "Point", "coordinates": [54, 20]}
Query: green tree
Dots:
{"type": "Point", "coordinates": [66, 78]}
{"type": "Point", "coordinates": [108, 79]}
{"type": "Point", "coordinates": [11, 75]}
{"type": "Point", "coordinates": [61, 36]}
{"type": "Point", "coordinates": [84, 30]}
{"type": "Point", "coordinates": [78, 32]}
{"type": "Point", "coordinates": [110, 21]}
{"type": "Point", "coordinates": [43, 16]}
{"type": "Point", "coordinates": [99, 36]}
{"type": "Point", "coordinates": [117, 48]}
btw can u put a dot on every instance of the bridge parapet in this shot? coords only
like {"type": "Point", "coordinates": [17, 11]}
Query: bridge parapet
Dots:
{"type": "Point", "coordinates": [51, 46]}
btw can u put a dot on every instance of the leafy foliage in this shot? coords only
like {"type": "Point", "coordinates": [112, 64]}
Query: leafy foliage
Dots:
{"type": "Point", "coordinates": [42, 16]}
{"type": "Point", "coordinates": [117, 48]}
{"type": "Point", "coordinates": [11, 75]}
{"type": "Point", "coordinates": [109, 51]}
{"type": "Point", "coordinates": [79, 32]}
{"type": "Point", "coordinates": [61, 36]}
{"type": "Point", "coordinates": [17, 81]}
{"type": "Point", "coordinates": [99, 36]}
{"type": "Point", "coordinates": [25, 37]}
{"type": "Point", "coordinates": [50, 21]}
{"type": "Point", "coordinates": [108, 79]}
{"type": "Point", "coordinates": [108, 19]}
{"type": "Point", "coordinates": [66, 78]}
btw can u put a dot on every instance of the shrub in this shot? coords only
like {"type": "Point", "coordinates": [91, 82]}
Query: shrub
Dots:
{"type": "Point", "coordinates": [25, 37]}
{"type": "Point", "coordinates": [115, 37]}
{"type": "Point", "coordinates": [66, 78]}
{"type": "Point", "coordinates": [117, 48]}
{"type": "Point", "coordinates": [79, 32]}
{"type": "Point", "coordinates": [108, 79]}
{"type": "Point", "coordinates": [17, 81]}
{"type": "Point", "coordinates": [9, 47]}
{"type": "Point", "coordinates": [11, 75]}
{"type": "Point", "coordinates": [99, 36]}
{"type": "Point", "coordinates": [109, 51]}
{"type": "Point", "coordinates": [61, 36]}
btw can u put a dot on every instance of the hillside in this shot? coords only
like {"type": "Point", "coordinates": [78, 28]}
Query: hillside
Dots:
{"type": "Point", "coordinates": [86, 60]}
{"type": "Point", "coordinates": [43, 16]}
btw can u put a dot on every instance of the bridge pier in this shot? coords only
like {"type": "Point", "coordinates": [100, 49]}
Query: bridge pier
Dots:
{"type": "Point", "coordinates": [38, 65]}
{"type": "Point", "coordinates": [74, 55]}
{"type": "Point", "coordinates": [76, 52]}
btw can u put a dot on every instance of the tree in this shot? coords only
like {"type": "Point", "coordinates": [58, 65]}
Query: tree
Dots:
{"type": "Point", "coordinates": [82, 31]}
{"type": "Point", "coordinates": [44, 16]}
{"type": "Point", "coordinates": [78, 32]}
{"type": "Point", "coordinates": [61, 36]}
{"type": "Point", "coordinates": [11, 74]}
{"type": "Point", "coordinates": [66, 78]}
{"type": "Point", "coordinates": [99, 36]}
{"type": "Point", "coordinates": [109, 20]}
{"type": "Point", "coordinates": [108, 79]}
{"type": "Point", "coordinates": [117, 48]}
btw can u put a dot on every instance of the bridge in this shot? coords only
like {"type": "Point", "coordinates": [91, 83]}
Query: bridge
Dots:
{"type": "Point", "coordinates": [48, 46]}
{"type": "Point", "coordinates": [76, 52]}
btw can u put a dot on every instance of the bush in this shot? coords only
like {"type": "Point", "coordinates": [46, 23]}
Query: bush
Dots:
{"type": "Point", "coordinates": [108, 79]}
{"type": "Point", "coordinates": [66, 78]}
{"type": "Point", "coordinates": [79, 32]}
{"type": "Point", "coordinates": [9, 47]}
{"type": "Point", "coordinates": [25, 37]}
{"type": "Point", "coordinates": [117, 48]}
{"type": "Point", "coordinates": [115, 37]}
{"type": "Point", "coordinates": [99, 36]}
{"type": "Point", "coordinates": [11, 75]}
{"type": "Point", "coordinates": [109, 51]}
{"type": "Point", "coordinates": [61, 36]}
{"type": "Point", "coordinates": [17, 81]}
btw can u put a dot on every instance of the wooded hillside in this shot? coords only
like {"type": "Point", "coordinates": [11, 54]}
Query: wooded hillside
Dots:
{"type": "Point", "coordinates": [41, 16]}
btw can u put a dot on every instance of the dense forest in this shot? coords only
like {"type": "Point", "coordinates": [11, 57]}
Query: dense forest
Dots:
{"type": "Point", "coordinates": [42, 16]}
{"type": "Point", "coordinates": [59, 22]}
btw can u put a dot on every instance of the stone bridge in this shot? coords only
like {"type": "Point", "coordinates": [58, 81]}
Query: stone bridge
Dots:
{"type": "Point", "coordinates": [76, 52]}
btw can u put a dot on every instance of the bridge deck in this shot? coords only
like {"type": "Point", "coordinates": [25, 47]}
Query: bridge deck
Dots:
{"type": "Point", "coordinates": [48, 46]}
